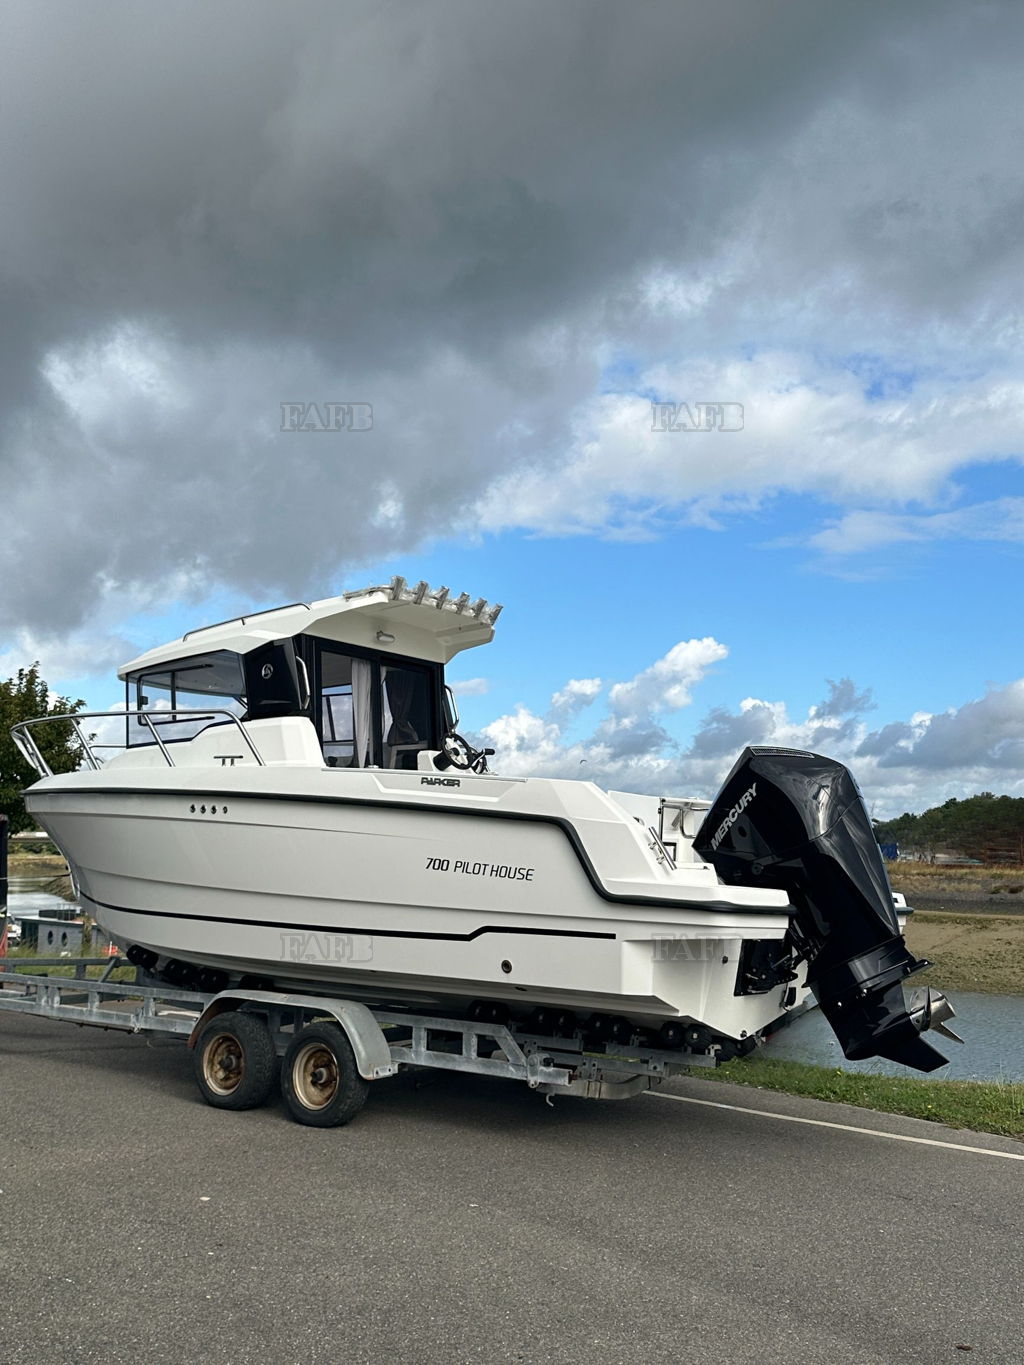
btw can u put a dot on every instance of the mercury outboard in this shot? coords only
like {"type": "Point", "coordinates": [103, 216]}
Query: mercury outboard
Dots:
{"type": "Point", "coordinates": [796, 822]}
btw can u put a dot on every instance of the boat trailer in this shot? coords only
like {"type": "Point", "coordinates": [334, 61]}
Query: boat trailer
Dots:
{"type": "Point", "coordinates": [323, 1050]}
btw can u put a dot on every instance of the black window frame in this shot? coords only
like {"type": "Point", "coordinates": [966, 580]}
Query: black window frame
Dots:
{"type": "Point", "coordinates": [313, 647]}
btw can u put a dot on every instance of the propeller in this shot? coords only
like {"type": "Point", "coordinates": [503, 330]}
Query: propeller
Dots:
{"type": "Point", "coordinates": [929, 1009]}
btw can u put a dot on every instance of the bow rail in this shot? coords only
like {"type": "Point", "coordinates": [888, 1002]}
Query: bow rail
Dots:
{"type": "Point", "coordinates": [31, 752]}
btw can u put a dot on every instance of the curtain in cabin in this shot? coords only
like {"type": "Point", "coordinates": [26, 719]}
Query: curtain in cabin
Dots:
{"type": "Point", "coordinates": [361, 712]}
{"type": "Point", "coordinates": [400, 685]}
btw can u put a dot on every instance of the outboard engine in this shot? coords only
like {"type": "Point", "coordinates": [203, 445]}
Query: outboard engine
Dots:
{"type": "Point", "coordinates": [796, 822]}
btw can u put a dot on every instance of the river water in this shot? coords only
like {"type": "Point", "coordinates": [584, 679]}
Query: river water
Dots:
{"type": "Point", "coordinates": [992, 1026]}
{"type": "Point", "coordinates": [28, 898]}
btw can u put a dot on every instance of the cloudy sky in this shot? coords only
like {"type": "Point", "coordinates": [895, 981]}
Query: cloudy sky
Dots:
{"type": "Point", "coordinates": [510, 228]}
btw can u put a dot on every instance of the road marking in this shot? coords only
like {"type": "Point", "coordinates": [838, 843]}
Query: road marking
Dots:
{"type": "Point", "coordinates": [843, 1127]}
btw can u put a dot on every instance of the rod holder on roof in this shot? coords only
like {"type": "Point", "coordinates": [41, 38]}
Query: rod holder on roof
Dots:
{"type": "Point", "coordinates": [398, 591]}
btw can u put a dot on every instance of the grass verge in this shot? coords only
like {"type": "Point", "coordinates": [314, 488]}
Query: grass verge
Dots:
{"type": "Point", "coordinates": [981, 1106]}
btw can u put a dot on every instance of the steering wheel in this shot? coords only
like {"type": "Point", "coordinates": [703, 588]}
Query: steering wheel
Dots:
{"type": "Point", "coordinates": [459, 753]}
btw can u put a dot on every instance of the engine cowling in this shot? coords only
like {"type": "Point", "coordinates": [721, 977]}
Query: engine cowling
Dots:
{"type": "Point", "coordinates": [796, 821]}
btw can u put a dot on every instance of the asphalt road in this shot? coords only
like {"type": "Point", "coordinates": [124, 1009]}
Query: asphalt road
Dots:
{"type": "Point", "coordinates": [462, 1220]}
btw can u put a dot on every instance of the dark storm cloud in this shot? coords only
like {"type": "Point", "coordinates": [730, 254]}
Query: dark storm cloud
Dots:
{"type": "Point", "coordinates": [726, 732]}
{"type": "Point", "coordinates": [442, 209]}
{"type": "Point", "coordinates": [896, 735]}
{"type": "Point", "coordinates": [843, 700]}
{"type": "Point", "coordinates": [983, 735]}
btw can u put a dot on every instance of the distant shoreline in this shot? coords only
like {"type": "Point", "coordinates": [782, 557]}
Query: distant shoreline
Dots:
{"type": "Point", "coordinates": [37, 865]}
{"type": "Point", "coordinates": [960, 890]}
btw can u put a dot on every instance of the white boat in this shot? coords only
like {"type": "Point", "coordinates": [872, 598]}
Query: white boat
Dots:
{"type": "Point", "coordinates": [290, 803]}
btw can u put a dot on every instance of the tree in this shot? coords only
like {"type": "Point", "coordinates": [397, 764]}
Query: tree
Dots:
{"type": "Point", "coordinates": [987, 827]}
{"type": "Point", "coordinates": [27, 697]}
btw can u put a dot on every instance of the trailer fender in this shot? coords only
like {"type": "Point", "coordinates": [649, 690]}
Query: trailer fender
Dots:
{"type": "Point", "coordinates": [369, 1046]}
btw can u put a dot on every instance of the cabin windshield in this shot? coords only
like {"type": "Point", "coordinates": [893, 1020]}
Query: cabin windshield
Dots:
{"type": "Point", "coordinates": [205, 680]}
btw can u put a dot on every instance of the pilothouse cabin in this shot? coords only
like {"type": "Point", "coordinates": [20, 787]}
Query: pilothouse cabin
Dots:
{"type": "Point", "coordinates": [361, 674]}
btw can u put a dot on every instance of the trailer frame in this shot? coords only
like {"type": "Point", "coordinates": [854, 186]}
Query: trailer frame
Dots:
{"type": "Point", "coordinates": [383, 1040]}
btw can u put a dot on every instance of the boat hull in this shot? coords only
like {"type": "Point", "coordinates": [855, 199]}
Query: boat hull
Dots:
{"type": "Point", "coordinates": [377, 901]}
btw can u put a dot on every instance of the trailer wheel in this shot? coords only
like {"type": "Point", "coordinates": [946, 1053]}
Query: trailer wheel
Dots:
{"type": "Point", "coordinates": [319, 1080]}
{"type": "Point", "coordinates": [235, 1061]}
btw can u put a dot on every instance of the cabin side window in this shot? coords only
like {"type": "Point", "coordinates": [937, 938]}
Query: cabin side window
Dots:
{"type": "Point", "coordinates": [346, 709]}
{"type": "Point", "coordinates": [375, 711]}
{"type": "Point", "coordinates": [206, 684]}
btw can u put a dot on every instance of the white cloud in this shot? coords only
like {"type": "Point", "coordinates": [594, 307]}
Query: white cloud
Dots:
{"type": "Point", "coordinates": [469, 687]}
{"type": "Point", "coordinates": [628, 743]}
{"type": "Point", "coordinates": [76, 655]}
{"type": "Point", "coordinates": [900, 765]}
{"type": "Point", "coordinates": [668, 683]}
{"type": "Point", "coordinates": [526, 745]}
{"type": "Point", "coordinates": [575, 696]}
{"type": "Point", "coordinates": [863, 531]}
{"type": "Point", "coordinates": [811, 426]}
{"type": "Point", "coordinates": [985, 736]}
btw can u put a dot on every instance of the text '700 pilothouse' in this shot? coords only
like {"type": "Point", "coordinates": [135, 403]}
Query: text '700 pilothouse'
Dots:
{"type": "Point", "coordinates": [290, 804]}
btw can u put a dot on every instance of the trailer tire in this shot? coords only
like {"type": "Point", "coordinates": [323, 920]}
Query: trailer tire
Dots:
{"type": "Point", "coordinates": [235, 1061]}
{"type": "Point", "coordinates": [319, 1079]}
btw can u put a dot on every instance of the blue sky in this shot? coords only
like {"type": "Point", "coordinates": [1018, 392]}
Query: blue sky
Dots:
{"type": "Point", "coordinates": [926, 629]}
{"type": "Point", "coordinates": [923, 627]}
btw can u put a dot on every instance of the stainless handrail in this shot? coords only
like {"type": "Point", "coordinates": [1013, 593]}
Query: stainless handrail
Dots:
{"type": "Point", "coordinates": [305, 678]}
{"type": "Point", "coordinates": [31, 752]}
{"type": "Point", "coordinates": [244, 620]}
{"type": "Point", "coordinates": [142, 718]}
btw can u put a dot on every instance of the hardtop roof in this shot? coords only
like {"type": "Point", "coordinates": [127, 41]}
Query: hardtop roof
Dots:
{"type": "Point", "coordinates": [425, 624]}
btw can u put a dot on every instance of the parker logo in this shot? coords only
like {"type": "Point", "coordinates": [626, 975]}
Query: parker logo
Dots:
{"type": "Point", "coordinates": [734, 814]}
{"type": "Point", "coordinates": [440, 782]}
